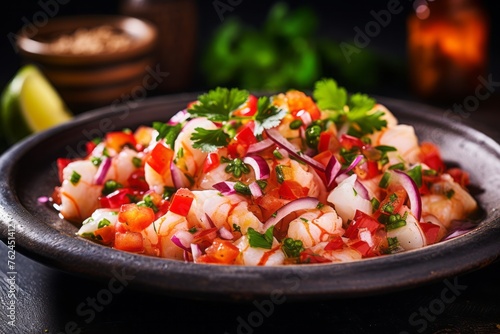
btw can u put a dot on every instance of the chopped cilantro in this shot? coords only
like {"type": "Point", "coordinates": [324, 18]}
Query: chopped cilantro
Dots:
{"type": "Point", "coordinates": [218, 104]}
{"type": "Point", "coordinates": [449, 194]}
{"type": "Point", "coordinates": [329, 95]}
{"type": "Point", "coordinates": [193, 230]}
{"type": "Point", "coordinates": [103, 222]}
{"type": "Point", "coordinates": [167, 132]}
{"type": "Point", "coordinates": [75, 178]}
{"type": "Point", "coordinates": [209, 140]}
{"type": "Point", "coordinates": [110, 186]}
{"type": "Point", "coordinates": [416, 174]}
{"type": "Point", "coordinates": [259, 240]}
{"type": "Point", "coordinates": [236, 228]}
{"type": "Point", "coordinates": [137, 162]}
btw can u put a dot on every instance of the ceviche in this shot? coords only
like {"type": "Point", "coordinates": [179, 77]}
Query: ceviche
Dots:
{"type": "Point", "coordinates": [284, 179]}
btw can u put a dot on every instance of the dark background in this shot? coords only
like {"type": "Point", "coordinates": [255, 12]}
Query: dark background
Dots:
{"type": "Point", "coordinates": [336, 21]}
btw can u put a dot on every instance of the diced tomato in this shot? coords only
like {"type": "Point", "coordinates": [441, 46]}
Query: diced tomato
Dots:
{"type": "Point", "coordinates": [129, 241]}
{"type": "Point", "coordinates": [163, 208]}
{"type": "Point", "coordinates": [328, 142]}
{"type": "Point", "coordinates": [323, 157]}
{"type": "Point", "coordinates": [460, 176]}
{"type": "Point", "coordinates": [270, 203]}
{"type": "Point", "coordinates": [61, 164]}
{"type": "Point", "coordinates": [362, 247]}
{"type": "Point", "coordinates": [361, 221]}
{"type": "Point", "coordinates": [368, 171]}
{"type": "Point", "coordinates": [393, 201]}
{"type": "Point", "coordinates": [90, 146]}
{"type": "Point", "coordinates": [107, 234]}
{"type": "Point", "coordinates": [160, 158]}
{"type": "Point", "coordinates": [431, 232]}
{"type": "Point", "coordinates": [249, 108]}
{"type": "Point", "coordinates": [181, 202]}
{"type": "Point", "coordinates": [222, 251]}
{"type": "Point", "coordinates": [137, 180]}
{"type": "Point", "coordinates": [118, 139]}
{"type": "Point", "coordinates": [117, 198]}
{"type": "Point", "coordinates": [212, 161]}
{"type": "Point", "coordinates": [136, 217]}
{"type": "Point", "coordinates": [308, 256]}
{"type": "Point", "coordinates": [204, 238]}
{"type": "Point", "coordinates": [120, 227]}
{"type": "Point", "coordinates": [335, 243]}
{"type": "Point", "coordinates": [431, 156]}
{"type": "Point", "coordinates": [298, 101]}
{"type": "Point", "coordinates": [291, 190]}
{"type": "Point", "coordinates": [348, 142]}
{"type": "Point", "coordinates": [242, 140]}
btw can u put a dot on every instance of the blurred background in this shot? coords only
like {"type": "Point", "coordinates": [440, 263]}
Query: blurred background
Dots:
{"type": "Point", "coordinates": [426, 50]}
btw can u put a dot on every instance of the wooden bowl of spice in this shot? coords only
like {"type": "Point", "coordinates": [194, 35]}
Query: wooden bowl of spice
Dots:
{"type": "Point", "coordinates": [94, 61]}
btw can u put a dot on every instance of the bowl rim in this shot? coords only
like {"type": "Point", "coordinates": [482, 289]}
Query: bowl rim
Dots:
{"type": "Point", "coordinates": [143, 31]}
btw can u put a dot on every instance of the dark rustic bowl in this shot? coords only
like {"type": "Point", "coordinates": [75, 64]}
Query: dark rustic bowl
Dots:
{"type": "Point", "coordinates": [91, 80]}
{"type": "Point", "coordinates": [28, 171]}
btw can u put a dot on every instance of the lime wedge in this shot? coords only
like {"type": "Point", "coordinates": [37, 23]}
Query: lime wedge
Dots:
{"type": "Point", "coordinates": [30, 104]}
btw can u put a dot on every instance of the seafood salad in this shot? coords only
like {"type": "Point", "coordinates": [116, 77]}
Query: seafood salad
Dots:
{"type": "Point", "coordinates": [291, 178]}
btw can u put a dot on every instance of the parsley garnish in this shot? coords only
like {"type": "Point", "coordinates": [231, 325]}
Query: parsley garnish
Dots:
{"type": "Point", "coordinates": [209, 140]}
{"type": "Point", "coordinates": [259, 240]}
{"type": "Point", "coordinates": [217, 104]}
{"type": "Point", "coordinates": [356, 110]}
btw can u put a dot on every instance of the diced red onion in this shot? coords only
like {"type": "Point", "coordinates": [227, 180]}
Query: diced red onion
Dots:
{"type": "Point", "coordinates": [353, 164]}
{"type": "Point", "coordinates": [259, 165]}
{"type": "Point", "coordinates": [43, 199]}
{"type": "Point", "coordinates": [225, 233]}
{"type": "Point", "coordinates": [255, 189]}
{"type": "Point", "coordinates": [460, 227]}
{"type": "Point", "coordinates": [260, 146]}
{"type": "Point", "coordinates": [196, 252]}
{"type": "Point", "coordinates": [332, 170]}
{"type": "Point", "coordinates": [305, 117]}
{"type": "Point", "coordinates": [187, 256]}
{"type": "Point", "coordinates": [225, 187]}
{"type": "Point", "coordinates": [361, 190]}
{"type": "Point", "coordinates": [179, 117]}
{"type": "Point", "coordinates": [180, 180]}
{"type": "Point", "coordinates": [182, 240]}
{"type": "Point", "coordinates": [411, 189]}
{"type": "Point", "coordinates": [210, 221]}
{"type": "Point", "coordinates": [276, 136]}
{"type": "Point", "coordinates": [304, 203]}
{"type": "Point", "coordinates": [102, 171]}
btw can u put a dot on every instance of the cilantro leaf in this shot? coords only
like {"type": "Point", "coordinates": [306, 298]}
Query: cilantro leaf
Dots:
{"type": "Point", "coordinates": [360, 103]}
{"type": "Point", "coordinates": [259, 240]}
{"type": "Point", "coordinates": [169, 132]}
{"type": "Point", "coordinates": [209, 140]}
{"type": "Point", "coordinates": [329, 96]}
{"type": "Point", "coordinates": [267, 116]}
{"type": "Point", "coordinates": [217, 104]}
{"type": "Point", "coordinates": [362, 122]}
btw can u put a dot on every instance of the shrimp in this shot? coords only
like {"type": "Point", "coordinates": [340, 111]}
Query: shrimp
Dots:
{"type": "Point", "coordinates": [315, 226]}
{"type": "Point", "coordinates": [157, 236]}
{"type": "Point", "coordinates": [157, 181]}
{"type": "Point", "coordinates": [410, 236]}
{"type": "Point", "coordinates": [307, 178]}
{"type": "Point", "coordinates": [79, 195]}
{"type": "Point", "coordinates": [448, 201]}
{"type": "Point", "coordinates": [222, 211]}
{"type": "Point", "coordinates": [187, 158]}
{"type": "Point", "coordinates": [122, 165]}
{"type": "Point", "coordinates": [91, 224]}
{"type": "Point", "coordinates": [404, 139]}
{"type": "Point", "coordinates": [346, 200]}
{"type": "Point", "coordinates": [345, 254]}
{"type": "Point", "coordinates": [253, 256]}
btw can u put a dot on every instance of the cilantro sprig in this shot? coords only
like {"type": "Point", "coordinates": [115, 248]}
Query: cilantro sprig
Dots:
{"type": "Point", "coordinates": [220, 105]}
{"type": "Point", "coordinates": [356, 110]}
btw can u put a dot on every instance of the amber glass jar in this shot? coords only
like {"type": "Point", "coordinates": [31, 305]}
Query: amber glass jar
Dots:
{"type": "Point", "coordinates": [448, 47]}
{"type": "Point", "coordinates": [177, 24]}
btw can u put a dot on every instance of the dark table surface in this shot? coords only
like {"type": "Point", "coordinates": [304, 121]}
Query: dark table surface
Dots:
{"type": "Point", "coordinates": [52, 301]}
